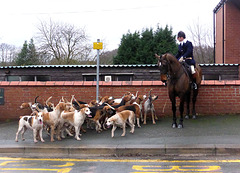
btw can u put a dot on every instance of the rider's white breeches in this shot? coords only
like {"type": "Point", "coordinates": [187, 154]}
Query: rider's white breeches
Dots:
{"type": "Point", "coordinates": [192, 69]}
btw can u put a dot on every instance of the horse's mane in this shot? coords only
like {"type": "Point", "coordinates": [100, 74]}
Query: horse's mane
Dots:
{"type": "Point", "coordinates": [171, 57]}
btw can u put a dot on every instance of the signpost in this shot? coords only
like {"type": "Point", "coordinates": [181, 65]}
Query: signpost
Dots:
{"type": "Point", "coordinates": [97, 45]}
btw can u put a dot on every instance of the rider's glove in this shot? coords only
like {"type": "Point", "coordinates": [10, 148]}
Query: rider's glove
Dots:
{"type": "Point", "coordinates": [181, 59]}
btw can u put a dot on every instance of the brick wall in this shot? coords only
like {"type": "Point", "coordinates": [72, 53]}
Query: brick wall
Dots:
{"type": "Point", "coordinates": [215, 97]}
{"type": "Point", "coordinates": [232, 34]}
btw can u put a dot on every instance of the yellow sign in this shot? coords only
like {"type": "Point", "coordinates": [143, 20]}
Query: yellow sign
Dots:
{"type": "Point", "coordinates": [97, 45]}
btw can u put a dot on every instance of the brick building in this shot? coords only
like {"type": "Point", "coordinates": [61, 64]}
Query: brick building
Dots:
{"type": "Point", "coordinates": [227, 32]}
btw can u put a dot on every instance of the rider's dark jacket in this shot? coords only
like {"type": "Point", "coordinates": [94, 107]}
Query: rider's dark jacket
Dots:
{"type": "Point", "coordinates": [185, 50]}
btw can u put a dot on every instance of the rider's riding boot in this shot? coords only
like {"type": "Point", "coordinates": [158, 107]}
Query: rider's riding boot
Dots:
{"type": "Point", "coordinates": [165, 83]}
{"type": "Point", "coordinates": [194, 84]}
{"type": "Point", "coordinates": [194, 75]}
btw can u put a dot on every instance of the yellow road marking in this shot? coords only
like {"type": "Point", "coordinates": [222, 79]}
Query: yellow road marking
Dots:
{"type": "Point", "coordinates": [122, 160]}
{"type": "Point", "coordinates": [65, 170]}
{"type": "Point", "coordinates": [176, 172]}
{"type": "Point", "coordinates": [176, 168]}
{"type": "Point", "coordinates": [66, 165]}
{"type": "Point", "coordinates": [6, 162]}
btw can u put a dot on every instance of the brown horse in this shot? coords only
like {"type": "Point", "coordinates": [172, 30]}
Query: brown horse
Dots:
{"type": "Point", "coordinates": [179, 85]}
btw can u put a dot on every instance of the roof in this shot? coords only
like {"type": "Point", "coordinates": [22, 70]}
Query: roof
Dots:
{"type": "Point", "coordinates": [101, 66]}
{"type": "Point", "coordinates": [78, 66]}
{"type": "Point", "coordinates": [219, 5]}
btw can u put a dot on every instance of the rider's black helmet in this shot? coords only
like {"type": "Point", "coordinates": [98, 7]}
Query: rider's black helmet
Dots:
{"type": "Point", "coordinates": [181, 34]}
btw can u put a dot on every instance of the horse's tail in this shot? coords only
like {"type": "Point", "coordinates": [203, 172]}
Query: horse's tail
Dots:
{"type": "Point", "coordinates": [199, 74]}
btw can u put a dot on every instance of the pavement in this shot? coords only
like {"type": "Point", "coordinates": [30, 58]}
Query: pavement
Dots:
{"type": "Point", "coordinates": [204, 136]}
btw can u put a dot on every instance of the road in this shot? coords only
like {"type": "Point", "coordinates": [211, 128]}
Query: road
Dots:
{"type": "Point", "coordinates": [186, 164]}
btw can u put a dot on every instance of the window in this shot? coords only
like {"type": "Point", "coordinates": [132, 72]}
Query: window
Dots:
{"type": "Point", "coordinates": [124, 78]}
{"type": "Point", "coordinates": [13, 78]}
{"type": "Point", "coordinates": [114, 76]}
{"type": "Point", "coordinates": [28, 78]}
{"type": "Point", "coordinates": [211, 77]}
{"type": "Point", "coordinates": [43, 78]}
{"type": "Point", "coordinates": [90, 78]}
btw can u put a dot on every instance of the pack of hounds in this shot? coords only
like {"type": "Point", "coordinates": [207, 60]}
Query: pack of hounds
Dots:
{"type": "Point", "coordinates": [67, 117]}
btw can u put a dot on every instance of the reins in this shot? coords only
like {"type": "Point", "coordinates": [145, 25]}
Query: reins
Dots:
{"type": "Point", "coordinates": [176, 74]}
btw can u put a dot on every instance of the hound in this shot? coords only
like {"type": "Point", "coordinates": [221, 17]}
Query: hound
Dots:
{"type": "Point", "coordinates": [34, 122]}
{"type": "Point", "coordinates": [27, 105]}
{"type": "Point", "coordinates": [52, 118]}
{"type": "Point", "coordinates": [149, 107]}
{"type": "Point", "coordinates": [120, 119]}
{"type": "Point", "coordinates": [105, 99]}
{"type": "Point", "coordinates": [119, 100]}
{"type": "Point", "coordinates": [75, 118]}
{"type": "Point", "coordinates": [135, 107]}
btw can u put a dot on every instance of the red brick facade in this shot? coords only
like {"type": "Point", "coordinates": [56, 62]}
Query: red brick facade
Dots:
{"type": "Point", "coordinates": [231, 29]}
{"type": "Point", "coordinates": [215, 97]}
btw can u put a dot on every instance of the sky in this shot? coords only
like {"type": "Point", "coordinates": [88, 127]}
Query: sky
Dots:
{"type": "Point", "coordinates": [106, 20]}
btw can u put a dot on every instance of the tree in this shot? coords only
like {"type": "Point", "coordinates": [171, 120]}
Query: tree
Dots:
{"type": "Point", "coordinates": [107, 57]}
{"type": "Point", "coordinates": [139, 48]}
{"type": "Point", "coordinates": [22, 56]}
{"type": "Point", "coordinates": [165, 41]}
{"type": "Point", "coordinates": [7, 54]}
{"type": "Point", "coordinates": [202, 41]}
{"type": "Point", "coordinates": [28, 54]}
{"type": "Point", "coordinates": [127, 51]}
{"type": "Point", "coordinates": [63, 43]}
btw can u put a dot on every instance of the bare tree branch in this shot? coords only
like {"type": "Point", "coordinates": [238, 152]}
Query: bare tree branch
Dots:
{"type": "Point", "coordinates": [64, 42]}
{"type": "Point", "coordinates": [202, 41]}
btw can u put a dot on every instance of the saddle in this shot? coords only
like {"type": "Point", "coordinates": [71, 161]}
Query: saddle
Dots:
{"type": "Point", "coordinates": [187, 70]}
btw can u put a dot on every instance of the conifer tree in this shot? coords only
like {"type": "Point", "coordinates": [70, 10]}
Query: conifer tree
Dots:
{"type": "Point", "coordinates": [28, 55]}
{"type": "Point", "coordinates": [139, 48]}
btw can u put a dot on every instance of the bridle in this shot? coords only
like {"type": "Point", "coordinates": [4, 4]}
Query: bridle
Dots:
{"type": "Point", "coordinates": [166, 69]}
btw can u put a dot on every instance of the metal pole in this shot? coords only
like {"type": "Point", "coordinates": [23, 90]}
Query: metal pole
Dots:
{"type": "Point", "coordinates": [214, 38]}
{"type": "Point", "coordinates": [97, 89]}
{"type": "Point", "coordinates": [223, 35]}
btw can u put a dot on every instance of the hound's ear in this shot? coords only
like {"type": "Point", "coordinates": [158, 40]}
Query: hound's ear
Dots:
{"type": "Point", "coordinates": [150, 92]}
{"type": "Point", "coordinates": [35, 113]}
{"type": "Point", "coordinates": [114, 119]}
{"type": "Point", "coordinates": [157, 56]}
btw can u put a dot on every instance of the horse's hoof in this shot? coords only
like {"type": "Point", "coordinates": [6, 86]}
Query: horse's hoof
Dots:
{"type": "Point", "coordinates": [187, 117]}
{"type": "Point", "coordinates": [194, 117]}
{"type": "Point", "coordinates": [180, 126]}
{"type": "Point", "coordinates": [174, 125]}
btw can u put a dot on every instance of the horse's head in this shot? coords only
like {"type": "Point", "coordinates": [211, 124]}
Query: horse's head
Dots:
{"type": "Point", "coordinates": [162, 63]}
{"type": "Point", "coordinates": [163, 66]}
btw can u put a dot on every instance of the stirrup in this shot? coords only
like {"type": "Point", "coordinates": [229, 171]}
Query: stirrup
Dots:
{"type": "Point", "coordinates": [194, 85]}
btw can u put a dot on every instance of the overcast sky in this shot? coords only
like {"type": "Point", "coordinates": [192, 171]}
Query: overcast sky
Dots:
{"type": "Point", "coordinates": [107, 20]}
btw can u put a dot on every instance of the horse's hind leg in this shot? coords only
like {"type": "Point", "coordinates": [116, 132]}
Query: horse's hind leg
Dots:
{"type": "Point", "coordinates": [174, 124]}
{"type": "Point", "coordinates": [181, 109]}
{"type": "Point", "coordinates": [194, 99]}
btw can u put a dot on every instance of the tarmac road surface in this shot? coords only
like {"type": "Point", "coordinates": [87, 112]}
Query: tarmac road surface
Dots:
{"type": "Point", "coordinates": [122, 165]}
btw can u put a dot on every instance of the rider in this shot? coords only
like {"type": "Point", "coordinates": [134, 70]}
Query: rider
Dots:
{"type": "Point", "coordinates": [185, 53]}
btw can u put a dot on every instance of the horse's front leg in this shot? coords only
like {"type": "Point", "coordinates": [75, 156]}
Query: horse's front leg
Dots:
{"type": "Point", "coordinates": [181, 109]}
{"type": "Point", "coordinates": [174, 124]}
